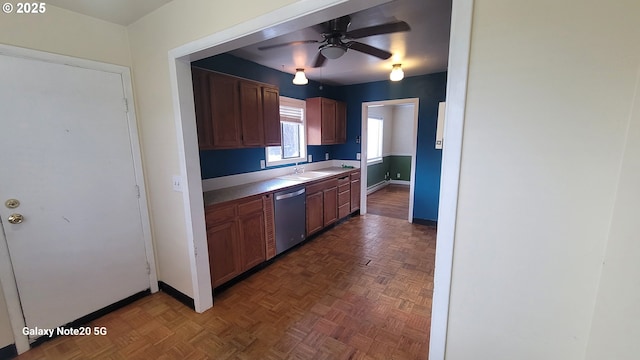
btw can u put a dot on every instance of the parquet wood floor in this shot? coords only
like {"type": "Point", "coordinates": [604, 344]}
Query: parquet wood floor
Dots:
{"type": "Point", "coordinates": [361, 290]}
{"type": "Point", "coordinates": [391, 201]}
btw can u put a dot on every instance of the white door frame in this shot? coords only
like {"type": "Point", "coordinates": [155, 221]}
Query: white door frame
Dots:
{"type": "Point", "coordinates": [363, 149]}
{"type": "Point", "coordinates": [286, 19]}
{"type": "Point", "coordinates": [7, 277]}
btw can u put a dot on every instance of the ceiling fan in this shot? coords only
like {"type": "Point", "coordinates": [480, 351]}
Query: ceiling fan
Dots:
{"type": "Point", "coordinates": [335, 32]}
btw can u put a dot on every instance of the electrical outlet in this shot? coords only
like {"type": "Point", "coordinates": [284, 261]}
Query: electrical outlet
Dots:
{"type": "Point", "coordinates": [326, 156]}
{"type": "Point", "coordinates": [177, 183]}
{"type": "Point", "coordinates": [357, 156]}
{"type": "Point", "coordinates": [398, 176]}
{"type": "Point", "coordinates": [262, 164]}
{"type": "Point", "coordinates": [309, 158]}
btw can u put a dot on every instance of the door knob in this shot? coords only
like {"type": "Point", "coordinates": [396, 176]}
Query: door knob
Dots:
{"type": "Point", "coordinates": [15, 218]}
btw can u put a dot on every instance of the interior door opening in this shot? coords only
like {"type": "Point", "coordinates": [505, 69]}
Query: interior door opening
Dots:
{"type": "Point", "coordinates": [389, 140]}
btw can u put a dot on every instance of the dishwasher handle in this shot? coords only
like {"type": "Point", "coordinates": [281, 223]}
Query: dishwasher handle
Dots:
{"type": "Point", "coordinates": [290, 195]}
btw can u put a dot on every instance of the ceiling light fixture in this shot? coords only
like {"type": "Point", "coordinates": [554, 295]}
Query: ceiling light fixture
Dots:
{"type": "Point", "coordinates": [396, 73]}
{"type": "Point", "coordinates": [332, 51]}
{"type": "Point", "coordinates": [300, 78]}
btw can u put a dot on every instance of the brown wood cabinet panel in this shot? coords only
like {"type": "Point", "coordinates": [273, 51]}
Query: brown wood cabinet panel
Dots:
{"type": "Point", "coordinates": [344, 210]}
{"type": "Point", "coordinates": [202, 103]}
{"type": "Point", "coordinates": [224, 252]}
{"type": "Point", "coordinates": [270, 226]}
{"type": "Point", "coordinates": [251, 114]}
{"type": "Point", "coordinates": [218, 214]}
{"type": "Point", "coordinates": [355, 193]}
{"type": "Point", "coordinates": [344, 198]}
{"type": "Point", "coordinates": [314, 208]}
{"type": "Point", "coordinates": [330, 205]}
{"type": "Point", "coordinates": [326, 121]}
{"type": "Point", "coordinates": [250, 205]}
{"type": "Point", "coordinates": [225, 111]}
{"type": "Point", "coordinates": [341, 122]}
{"type": "Point", "coordinates": [232, 112]}
{"type": "Point", "coordinates": [271, 116]}
{"type": "Point", "coordinates": [252, 238]}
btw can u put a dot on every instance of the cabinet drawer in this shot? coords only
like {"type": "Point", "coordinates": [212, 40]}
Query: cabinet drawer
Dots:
{"type": "Point", "coordinates": [250, 206]}
{"type": "Point", "coordinates": [343, 180]}
{"type": "Point", "coordinates": [344, 197]}
{"type": "Point", "coordinates": [355, 175]}
{"type": "Point", "coordinates": [344, 187]}
{"type": "Point", "coordinates": [320, 186]}
{"type": "Point", "coordinates": [219, 214]}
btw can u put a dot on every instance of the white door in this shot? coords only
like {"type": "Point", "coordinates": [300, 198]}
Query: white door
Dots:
{"type": "Point", "coordinates": [66, 156]}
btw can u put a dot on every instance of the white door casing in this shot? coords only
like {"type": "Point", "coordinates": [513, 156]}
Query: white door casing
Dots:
{"type": "Point", "coordinates": [70, 156]}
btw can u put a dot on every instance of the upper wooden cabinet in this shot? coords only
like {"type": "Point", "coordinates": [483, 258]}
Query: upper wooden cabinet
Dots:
{"type": "Point", "coordinates": [232, 112]}
{"type": "Point", "coordinates": [326, 121]}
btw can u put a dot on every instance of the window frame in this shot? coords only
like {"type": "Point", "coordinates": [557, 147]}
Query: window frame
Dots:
{"type": "Point", "coordinates": [378, 159]}
{"type": "Point", "coordinates": [297, 103]}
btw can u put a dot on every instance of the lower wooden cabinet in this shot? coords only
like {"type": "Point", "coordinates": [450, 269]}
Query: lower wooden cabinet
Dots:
{"type": "Point", "coordinates": [315, 216]}
{"type": "Point", "coordinates": [355, 191]}
{"type": "Point", "coordinates": [330, 205]}
{"type": "Point", "coordinates": [236, 238]}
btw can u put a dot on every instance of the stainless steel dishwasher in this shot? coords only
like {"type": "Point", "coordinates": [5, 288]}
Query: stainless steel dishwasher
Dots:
{"type": "Point", "coordinates": [290, 216]}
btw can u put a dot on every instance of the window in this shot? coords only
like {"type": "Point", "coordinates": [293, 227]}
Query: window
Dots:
{"type": "Point", "coordinates": [374, 140]}
{"type": "Point", "coordinates": [292, 127]}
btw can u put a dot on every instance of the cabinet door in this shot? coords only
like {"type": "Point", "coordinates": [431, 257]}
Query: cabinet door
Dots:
{"type": "Point", "coordinates": [224, 252]}
{"type": "Point", "coordinates": [341, 122]}
{"type": "Point", "coordinates": [251, 114]}
{"type": "Point", "coordinates": [271, 116]}
{"type": "Point", "coordinates": [225, 111]}
{"type": "Point", "coordinates": [202, 102]}
{"type": "Point", "coordinates": [355, 194]}
{"type": "Point", "coordinates": [328, 121]}
{"type": "Point", "coordinates": [314, 210]}
{"type": "Point", "coordinates": [252, 239]}
{"type": "Point", "coordinates": [330, 204]}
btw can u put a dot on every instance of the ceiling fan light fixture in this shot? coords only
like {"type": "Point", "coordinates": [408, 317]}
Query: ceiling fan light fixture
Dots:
{"type": "Point", "coordinates": [300, 78]}
{"type": "Point", "coordinates": [396, 73]}
{"type": "Point", "coordinates": [332, 51]}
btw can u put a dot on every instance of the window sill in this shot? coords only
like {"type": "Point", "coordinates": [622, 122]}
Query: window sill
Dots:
{"type": "Point", "coordinates": [286, 161]}
{"type": "Point", "coordinates": [374, 161]}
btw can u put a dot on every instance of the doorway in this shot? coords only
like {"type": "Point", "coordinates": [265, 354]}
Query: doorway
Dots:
{"type": "Point", "coordinates": [389, 141]}
{"type": "Point", "coordinates": [283, 21]}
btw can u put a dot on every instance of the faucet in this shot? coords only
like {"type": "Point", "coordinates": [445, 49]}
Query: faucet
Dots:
{"type": "Point", "coordinates": [298, 169]}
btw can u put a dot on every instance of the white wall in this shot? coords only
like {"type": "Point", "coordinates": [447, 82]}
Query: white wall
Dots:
{"type": "Point", "coordinates": [615, 331]}
{"type": "Point", "coordinates": [177, 23]}
{"type": "Point", "coordinates": [402, 132]}
{"type": "Point", "coordinates": [549, 92]}
{"type": "Point", "coordinates": [62, 32]}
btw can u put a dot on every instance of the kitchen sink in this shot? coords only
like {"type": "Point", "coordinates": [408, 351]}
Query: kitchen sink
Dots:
{"type": "Point", "coordinates": [309, 175]}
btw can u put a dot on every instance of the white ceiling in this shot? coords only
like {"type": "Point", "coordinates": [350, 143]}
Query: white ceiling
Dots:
{"type": "Point", "coordinates": [423, 50]}
{"type": "Point", "coordinates": [123, 12]}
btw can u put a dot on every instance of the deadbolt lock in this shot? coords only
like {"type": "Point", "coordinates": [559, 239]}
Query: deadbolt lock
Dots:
{"type": "Point", "coordinates": [12, 203]}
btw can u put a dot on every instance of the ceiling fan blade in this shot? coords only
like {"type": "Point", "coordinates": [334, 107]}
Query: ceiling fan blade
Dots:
{"type": "Point", "coordinates": [368, 49]}
{"type": "Point", "coordinates": [388, 28]}
{"type": "Point", "coordinates": [288, 44]}
{"type": "Point", "coordinates": [319, 61]}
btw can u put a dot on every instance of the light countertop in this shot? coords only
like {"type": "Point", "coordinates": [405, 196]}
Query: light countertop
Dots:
{"type": "Point", "coordinates": [265, 186]}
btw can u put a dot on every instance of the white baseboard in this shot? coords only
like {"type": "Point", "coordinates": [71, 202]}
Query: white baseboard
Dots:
{"type": "Point", "coordinates": [376, 187]}
{"type": "Point", "coordinates": [401, 182]}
